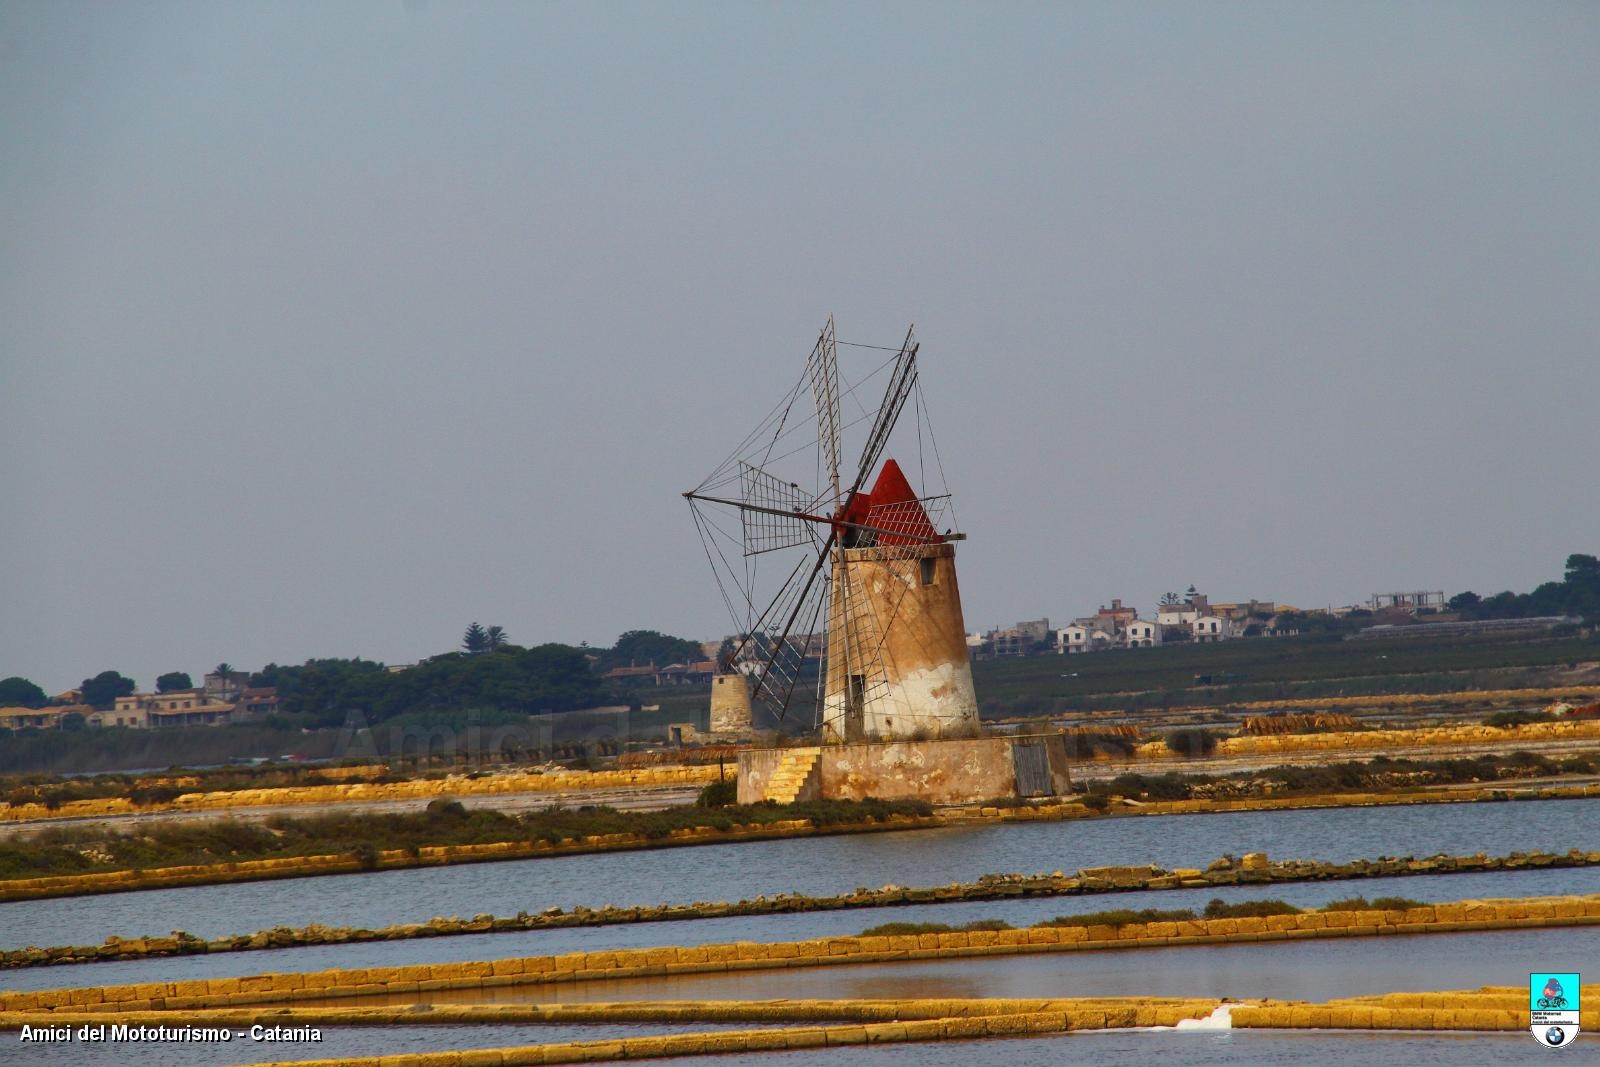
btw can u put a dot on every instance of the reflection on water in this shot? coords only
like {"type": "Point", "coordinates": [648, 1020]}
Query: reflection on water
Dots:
{"type": "Point", "coordinates": [816, 866]}
{"type": "Point", "coordinates": [1282, 970]}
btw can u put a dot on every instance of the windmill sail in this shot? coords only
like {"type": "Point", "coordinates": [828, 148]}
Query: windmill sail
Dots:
{"type": "Point", "coordinates": [868, 567]}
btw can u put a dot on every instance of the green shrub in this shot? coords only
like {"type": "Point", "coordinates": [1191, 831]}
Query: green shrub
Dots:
{"type": "Point", "coordinates": [446, 808]}
{"type": "Point", "coordinates": [1517, 718]}
{"type": "Point", "coordinates": [1378, 904]}
{"type": "Point", "coordinates": [719, 794]}
{"type": "Point", "coordinates": [1249, 909]}
{"type": "Point", "coordinates": [1171, 786]}
{"type": "Point", "coordinates": [1121, 917]}
{"type": "Point", "coordinates": [1106, 744]}
{"type": "Point", "coordinates": [901, 929]}
{"type": "Point", "coordinates": [1191, 742]}
{"type": "Point", "coordinates": [152, 795]}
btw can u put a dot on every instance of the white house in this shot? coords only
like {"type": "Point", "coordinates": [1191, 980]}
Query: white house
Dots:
{"type": "Point", "coordinates": [1142, 633]}
{"type": "Point", "coordinates": [1081, 638]}
{"type": "Point", "coordinates": [1074, 638]}
{"type": "Point", "coordinates": [1177, 615]}
{"type": "Point", "coordinates": [1210, 628]}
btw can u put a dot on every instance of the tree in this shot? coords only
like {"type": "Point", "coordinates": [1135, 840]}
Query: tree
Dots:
{"type": "Point", "coordinates": [104, 688]}
{"type": "Point", "coordinates": [222, 670]}
{"type": "Point", "coordinates": [494, 637]}
{"type": "Point", "coordinates": [651, 646]}
{"type": "Point", "coordinates": [173, 681]}
{"type": "Point", "coordinates": [1465, 602]}
{"type": "Point", "coordinates": [1583, 571]}
{"type": "Point", "coordinates": [475, 640]}
{"type": "Point", "coordinates": [18, 692]}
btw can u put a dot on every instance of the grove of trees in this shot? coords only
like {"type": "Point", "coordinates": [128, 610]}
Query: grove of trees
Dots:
{"type": "Point", "coordinates": [18, 692]}
{"type": "Point", "coordinates": [172, 681]}
{"type": "Point", "coordinates": [104, 688]}
{"type": "Point", "coordinates": [508, 679]}
{"type": "Point", "coordinates": [650, 646]}
{"type": "Point", "coordinates": [1578, 593]}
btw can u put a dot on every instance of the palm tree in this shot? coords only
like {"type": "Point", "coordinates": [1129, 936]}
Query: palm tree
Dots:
{"type": "Point", "coordinates": [494, 637]}
{"type": "Point", "coordinates": [223, 673]}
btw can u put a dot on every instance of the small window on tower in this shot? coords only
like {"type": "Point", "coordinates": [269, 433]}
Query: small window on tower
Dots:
{"type": "Point", "coordinates": [927, 571]}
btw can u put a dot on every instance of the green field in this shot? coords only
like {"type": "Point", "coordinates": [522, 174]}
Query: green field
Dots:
{"type": "Point", "coordinates": [1277, 669]}
{"type": "Point", "coordinates": [1242, 670]}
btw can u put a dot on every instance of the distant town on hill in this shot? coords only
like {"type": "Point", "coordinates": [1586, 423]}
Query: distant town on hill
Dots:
{"type": "Point", "coordinates": [492, 675]}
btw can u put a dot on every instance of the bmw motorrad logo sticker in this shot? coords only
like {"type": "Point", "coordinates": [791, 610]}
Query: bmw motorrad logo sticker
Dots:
{"type": "Point", "coordinates": [1553, 1008]}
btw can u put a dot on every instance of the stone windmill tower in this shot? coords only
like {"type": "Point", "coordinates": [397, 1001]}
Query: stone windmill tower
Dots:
{"type": "Point", "coordinates": [897, 662]}
{"type": "Point", "coordinates": [870, 567]}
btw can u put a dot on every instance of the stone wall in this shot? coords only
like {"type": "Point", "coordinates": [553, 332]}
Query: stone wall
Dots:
{"type": "Point", "coordinates": [1489, 1008]}
{"type": "Point", "coordinates": [416, 789]}
{"type": "Point", "coordinates": [940, 772]}
{"type": "Point", "coordinates": [755, 771]}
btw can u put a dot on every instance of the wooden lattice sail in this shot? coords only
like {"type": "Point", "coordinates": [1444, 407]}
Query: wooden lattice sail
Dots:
{"type": "Point", "coordinates": [868, 566]}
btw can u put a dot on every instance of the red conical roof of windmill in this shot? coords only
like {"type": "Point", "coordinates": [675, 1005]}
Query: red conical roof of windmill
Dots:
{"type": "Point", "coordinates": [895, 507]}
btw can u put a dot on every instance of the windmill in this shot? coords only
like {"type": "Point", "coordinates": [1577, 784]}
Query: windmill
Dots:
{"type": "Point", "coordinates": [798, 541]}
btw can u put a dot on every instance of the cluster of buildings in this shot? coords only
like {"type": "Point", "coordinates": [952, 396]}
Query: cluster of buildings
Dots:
{"type": "Point", "coordinates": [224, 698]}
{"type": "Point", "coordinates": [1190, 618]}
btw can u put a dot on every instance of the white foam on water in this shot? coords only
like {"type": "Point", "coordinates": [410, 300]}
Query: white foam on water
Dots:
{"type": "Point", "coordinates": [1221, 1018]}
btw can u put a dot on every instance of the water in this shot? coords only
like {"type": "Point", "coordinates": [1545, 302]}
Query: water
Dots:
{"type": "Point", "coordinates": [1138, 1048]}
{"type": "Point", "coordinates": [338, 1042]}
{"type": "Point", "coordinates": [1309, 970]}
{"type": "Point", "coordinates": [789, 927]}
{"type": "Point", "coordinates": [1106, 1048]}
{"type": "Point", "coordinates": [817, 866]}
{"type": "Point", "coordinates": [1313, 970]}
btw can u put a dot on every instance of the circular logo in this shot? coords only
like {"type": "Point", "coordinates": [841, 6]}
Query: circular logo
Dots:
{"type": "Point", "coordinates": [1554, 1036]}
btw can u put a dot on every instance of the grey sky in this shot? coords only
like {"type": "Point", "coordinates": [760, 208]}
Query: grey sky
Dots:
{"type": "Point", "coordinates": [326, 329]}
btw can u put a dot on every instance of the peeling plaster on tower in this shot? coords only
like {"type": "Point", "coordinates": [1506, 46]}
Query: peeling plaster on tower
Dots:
{"type": "Point", "coordinates": [922, 680]}
{"type": "Point", "coordinates": [897, 660]}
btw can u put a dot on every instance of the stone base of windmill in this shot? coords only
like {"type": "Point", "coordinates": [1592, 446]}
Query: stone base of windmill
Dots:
{"type": "Point", "coordinates": [957, 771]}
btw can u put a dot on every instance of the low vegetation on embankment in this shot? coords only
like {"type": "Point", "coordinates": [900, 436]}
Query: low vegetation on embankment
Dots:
{"type": "Point", "coordinates": [1216, 909]}
{"type": "Point", "coordinates": [53, 791]}
{"type": "Point", "coordinates": [65, 850]}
